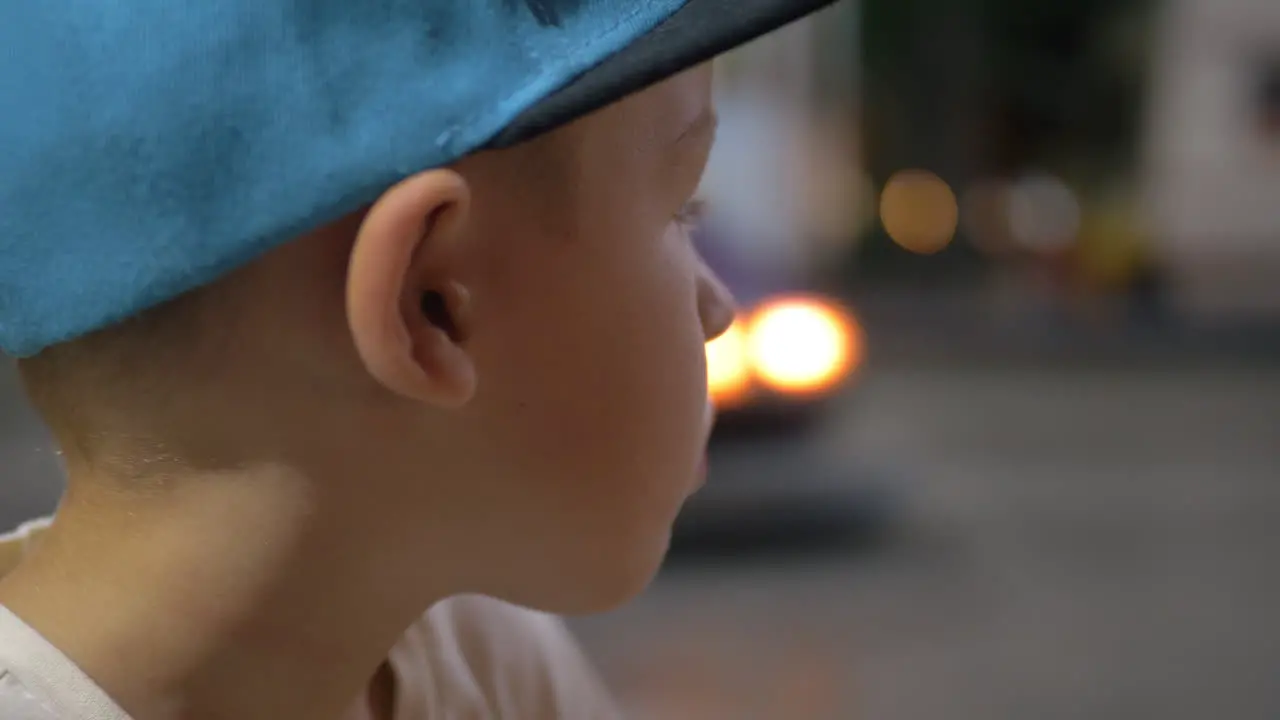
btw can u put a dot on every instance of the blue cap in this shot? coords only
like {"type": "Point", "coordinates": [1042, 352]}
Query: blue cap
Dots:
{"type": "Point", "coordinates": [148, 147]}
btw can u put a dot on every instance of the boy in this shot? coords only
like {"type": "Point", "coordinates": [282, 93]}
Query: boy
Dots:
{"type": "Point", "coordinates": [339, 311]}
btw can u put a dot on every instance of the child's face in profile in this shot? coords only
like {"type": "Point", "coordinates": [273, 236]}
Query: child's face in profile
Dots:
{"type": "Point", "coordinates": [587, 318]}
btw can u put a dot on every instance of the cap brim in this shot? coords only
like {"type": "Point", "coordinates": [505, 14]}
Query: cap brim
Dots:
{"type": "Point", "coordinates": [694, 34]}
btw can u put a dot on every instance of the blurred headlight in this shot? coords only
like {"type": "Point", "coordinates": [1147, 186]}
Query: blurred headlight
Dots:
{"type": "Point", "coordinates": [803, 345]}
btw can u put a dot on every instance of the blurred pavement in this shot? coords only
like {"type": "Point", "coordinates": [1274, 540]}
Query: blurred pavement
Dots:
{"type": "Point", "coordinates": [1091, 544]}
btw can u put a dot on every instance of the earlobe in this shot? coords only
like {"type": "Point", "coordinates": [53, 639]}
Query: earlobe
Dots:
{"type": "Point", "coordinates": [407, 311]}
{"type": "Point", "coordinates": [444, 374]}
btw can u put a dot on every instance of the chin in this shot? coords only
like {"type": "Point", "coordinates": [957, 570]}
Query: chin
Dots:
{"type": "Point", "coordinates": [606, 582]}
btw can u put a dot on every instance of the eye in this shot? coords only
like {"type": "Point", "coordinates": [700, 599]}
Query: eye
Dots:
{"type": "Point", "coordinates": [692, 214]}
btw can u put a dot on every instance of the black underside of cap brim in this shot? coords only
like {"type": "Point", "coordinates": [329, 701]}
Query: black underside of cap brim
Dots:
{"type": "Point", "coordinates": [694, 34]}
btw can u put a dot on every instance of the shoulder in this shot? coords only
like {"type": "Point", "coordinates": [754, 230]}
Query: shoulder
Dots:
{"type": "Point", "coordinates": [481, 653]}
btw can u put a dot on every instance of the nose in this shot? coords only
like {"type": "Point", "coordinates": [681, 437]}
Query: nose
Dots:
{"type": "Point", "coordinates": [716, 306]}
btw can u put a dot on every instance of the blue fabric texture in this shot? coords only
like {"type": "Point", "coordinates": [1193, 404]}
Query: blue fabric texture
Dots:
{"type": "Point", "coordinates": [148, 147]}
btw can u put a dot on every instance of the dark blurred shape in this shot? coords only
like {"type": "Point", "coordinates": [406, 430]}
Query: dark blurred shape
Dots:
{"type": "Point", "coordinates": [1269, 98]}
{"type": "Point", "coordinates": [776, 497]}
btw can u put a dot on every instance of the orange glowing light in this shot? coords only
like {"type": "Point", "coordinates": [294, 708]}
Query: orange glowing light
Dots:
{"type": "Point", "coordinates": [803, 346]}
{"type": "Point", "coordinates": [919, 211]}
{"type": "Point", "coordinates": [728, 369]}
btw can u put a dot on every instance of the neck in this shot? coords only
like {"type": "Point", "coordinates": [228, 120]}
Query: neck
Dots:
{"type": "Point", "coordinates": [247, 596]}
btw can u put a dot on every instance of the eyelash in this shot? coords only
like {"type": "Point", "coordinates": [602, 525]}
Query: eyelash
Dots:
{"type": "Point", "coordinates": [692, 214]}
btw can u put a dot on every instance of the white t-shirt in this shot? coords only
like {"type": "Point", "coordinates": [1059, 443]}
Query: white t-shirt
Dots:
{"type": "Point", "coordinates": [39, 683]}
{"type": "Point", "coordinates": [468, 657]}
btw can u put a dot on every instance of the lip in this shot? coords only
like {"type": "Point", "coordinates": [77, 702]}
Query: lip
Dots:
{"type": "Point", "coordinates": [703, 462]}
{"type": "Point", "coordinates": [700, 476]}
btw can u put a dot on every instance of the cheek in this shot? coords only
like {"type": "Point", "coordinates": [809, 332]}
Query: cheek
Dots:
{"type": "Point", "coordinates": [597, 377]}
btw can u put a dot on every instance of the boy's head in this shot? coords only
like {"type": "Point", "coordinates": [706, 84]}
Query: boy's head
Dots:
{"type": "Point", "coordinates": [500, 357]}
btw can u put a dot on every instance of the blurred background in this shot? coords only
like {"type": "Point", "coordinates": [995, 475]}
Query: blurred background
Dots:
{"type": "Point", "coordinates": [1001, 418]}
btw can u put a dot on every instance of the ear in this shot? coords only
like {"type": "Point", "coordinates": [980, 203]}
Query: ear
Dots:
{"type": "Point", "coordinates": [408, 313]}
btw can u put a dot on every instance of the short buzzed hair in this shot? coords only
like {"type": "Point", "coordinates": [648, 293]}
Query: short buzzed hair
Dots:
{"type": "Point", "coordinates": [72, 383]}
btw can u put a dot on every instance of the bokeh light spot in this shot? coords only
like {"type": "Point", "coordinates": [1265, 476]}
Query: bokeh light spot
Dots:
{"type": "Point", "coordinates": [919, 211]}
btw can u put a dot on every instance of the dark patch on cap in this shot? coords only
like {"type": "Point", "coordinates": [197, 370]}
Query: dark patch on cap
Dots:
{"type": "Point", "coordinates": [549, 12]}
